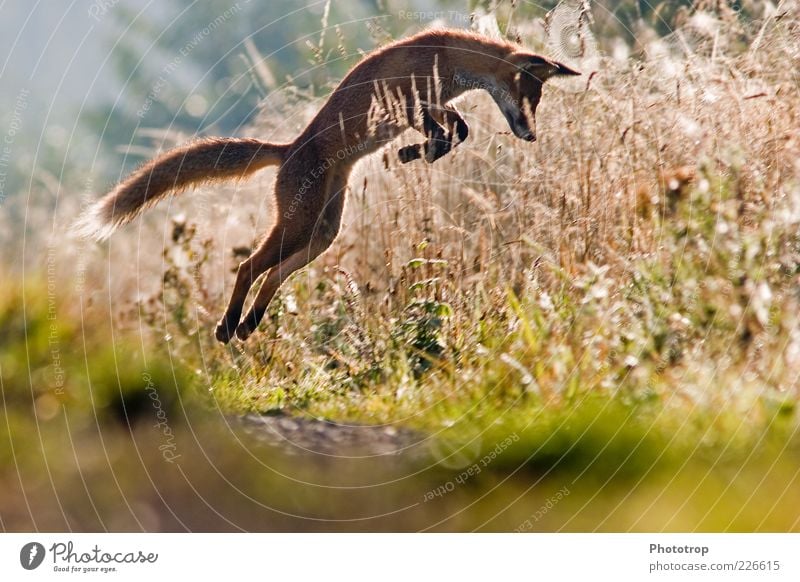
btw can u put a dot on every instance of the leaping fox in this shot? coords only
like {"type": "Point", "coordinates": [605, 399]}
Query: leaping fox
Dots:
{"type": "Point", "coordinates": [409, 83]}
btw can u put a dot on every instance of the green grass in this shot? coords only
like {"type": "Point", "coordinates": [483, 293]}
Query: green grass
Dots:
{"type": "Point", "coordinates": [598, 332]}
{"type": "Point", "coordinates": [88, 454]}
{"type": "Point", "coordinates": [703, 325]}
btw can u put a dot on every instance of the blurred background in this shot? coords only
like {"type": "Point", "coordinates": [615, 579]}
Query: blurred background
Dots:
{"type": "Point", "coordinates": [597, 332]}
{"type": "Point", "coordinates": [101, 81]}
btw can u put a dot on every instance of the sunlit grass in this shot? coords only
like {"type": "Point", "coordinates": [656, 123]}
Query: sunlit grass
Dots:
{"type": "Point", "coordinates": [603, 324]}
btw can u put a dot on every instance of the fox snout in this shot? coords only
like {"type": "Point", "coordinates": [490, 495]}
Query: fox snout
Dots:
{"type": "Point", "coordinates": [523, 131]}
{"type": "Point", "coordinates": [520, 125]}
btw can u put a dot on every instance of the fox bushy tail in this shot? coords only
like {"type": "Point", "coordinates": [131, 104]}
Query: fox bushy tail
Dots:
{"type": "Point", "coordinates": [205, 160]}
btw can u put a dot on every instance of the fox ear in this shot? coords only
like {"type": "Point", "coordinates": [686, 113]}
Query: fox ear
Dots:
{"type": "Point", "coordinates": [542, 68]}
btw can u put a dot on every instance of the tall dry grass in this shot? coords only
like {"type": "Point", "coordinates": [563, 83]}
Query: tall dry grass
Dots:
{"type": "Point", "coordinates": [620, 297]}
{"type": "Point", "coordinates": [645, 243]}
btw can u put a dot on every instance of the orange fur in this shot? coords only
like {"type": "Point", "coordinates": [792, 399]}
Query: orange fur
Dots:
{"type": "Point", "coordinates": [409, 83]}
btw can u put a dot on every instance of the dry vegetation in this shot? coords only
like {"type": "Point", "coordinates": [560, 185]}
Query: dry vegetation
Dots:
{"type": "Point", "coordinates": [622, 294]}
{"type": "Point", "coordinates": [645, 246]}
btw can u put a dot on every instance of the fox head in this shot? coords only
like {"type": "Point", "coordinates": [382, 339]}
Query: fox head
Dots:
{"type": "Point", "coordinates": [521, 78]}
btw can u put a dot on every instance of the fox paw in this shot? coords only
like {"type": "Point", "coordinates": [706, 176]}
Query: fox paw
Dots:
{"type": "Point", "coordinates": [436, 148]}
{"type": "Point", "coordinates": [223, 332]}
{"type": "Point", "coordinates": [243, 330]}
{"type": "Point", "coordinates": [410, 153]}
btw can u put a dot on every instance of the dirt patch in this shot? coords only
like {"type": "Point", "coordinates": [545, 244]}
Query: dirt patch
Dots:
{"type": "Point", "coordinates": [298, 436]}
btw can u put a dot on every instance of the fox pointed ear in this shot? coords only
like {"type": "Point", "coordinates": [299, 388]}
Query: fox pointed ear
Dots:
{"type": "Point", "coordinates": [541, 67]}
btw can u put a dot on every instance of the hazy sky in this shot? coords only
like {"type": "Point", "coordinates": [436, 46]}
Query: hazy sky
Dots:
{"type": "Point", "coordinates": [52, 55]}
{"type": "Point", "coordinates": [54, 61]}
{"type": "Point", "coordinates": [55, 49]}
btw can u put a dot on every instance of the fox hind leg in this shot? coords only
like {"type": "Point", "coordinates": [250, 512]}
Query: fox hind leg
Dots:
{"type": "Point", "coordinates": [291, 233]}
{"type": "Point", "coordinates": [276, 247]}
{"type": "Point", "coordinates": [324, 233]}
{"type": "Point", "coordinates": [275, 278]}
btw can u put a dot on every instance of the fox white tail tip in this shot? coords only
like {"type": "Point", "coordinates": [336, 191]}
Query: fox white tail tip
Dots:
{"type": "Point", "coordinates": [91, 225]}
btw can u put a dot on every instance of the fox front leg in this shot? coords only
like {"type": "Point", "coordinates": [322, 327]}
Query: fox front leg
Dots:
{"type": "Point", "coordinates": [440, 136]}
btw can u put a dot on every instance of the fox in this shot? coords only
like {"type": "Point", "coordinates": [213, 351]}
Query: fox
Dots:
{"type": "Point", "coordinates": [409, 83]}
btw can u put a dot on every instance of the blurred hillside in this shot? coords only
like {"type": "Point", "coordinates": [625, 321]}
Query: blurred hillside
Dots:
{"type": "Point", "coordinates": [595, 332]}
